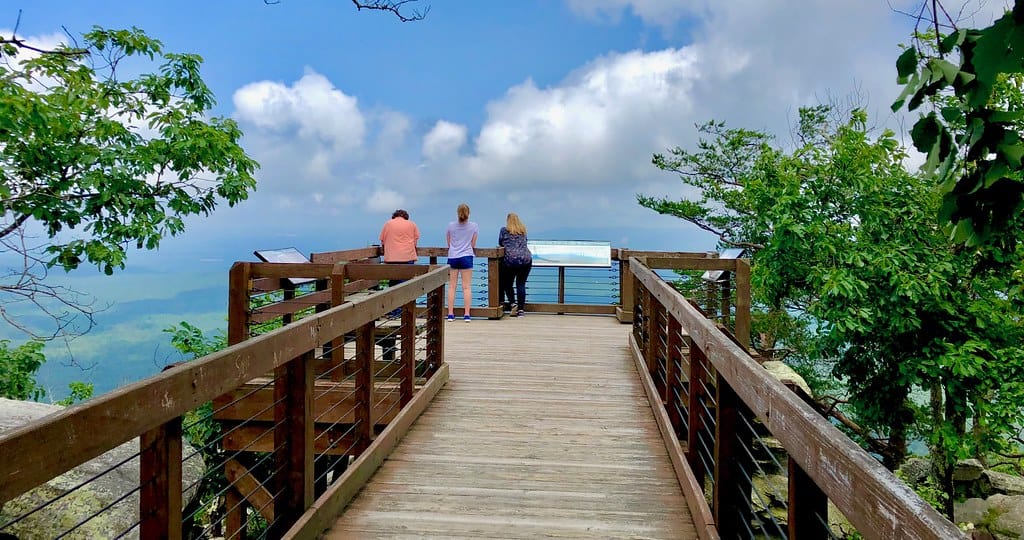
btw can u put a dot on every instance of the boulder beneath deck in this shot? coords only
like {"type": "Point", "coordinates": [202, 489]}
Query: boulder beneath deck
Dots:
{"type": "Point", "coordinates": [74, 504]}
{"type": "Point", "coordinates": [1002, 516]}
{"type": "Point", "coordinates": [786, 375]}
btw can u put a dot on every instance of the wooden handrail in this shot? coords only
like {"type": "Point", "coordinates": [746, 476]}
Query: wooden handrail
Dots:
{"type": "Point", "coordinates": [870, 496]}
{"type": "Point", "coordinates": [145, 405]}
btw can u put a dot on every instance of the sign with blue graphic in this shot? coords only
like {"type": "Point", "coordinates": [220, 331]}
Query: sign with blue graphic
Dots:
{"type": "Point", "coordinates": [570, 253]}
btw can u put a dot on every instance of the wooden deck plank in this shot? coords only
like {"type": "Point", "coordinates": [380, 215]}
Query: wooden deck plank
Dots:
{"type": "Point", "coordinates": [542, 430]}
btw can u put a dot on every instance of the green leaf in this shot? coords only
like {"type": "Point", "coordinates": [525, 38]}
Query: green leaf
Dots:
{"type": "Point", "coordinates": [1013, 152]}
{"type": "Point", "coordinates": [947, 70]}
{"type": "Point", "coordinates": [925, 132]}
{"type": "Point", "coordinates": [951, 41]}
{"type": "Point", "coordinates": [906, 64]}
{"type": "Point", "coordinates": [952, 114]}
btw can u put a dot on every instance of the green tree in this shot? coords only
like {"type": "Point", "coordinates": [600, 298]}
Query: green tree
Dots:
{"type": "Point", "coordinates": [100, 162]}
{"type": "Point", "coordinates": [847, 236]}
{"type": "Point", "coordinates": [18, 368]}
{"type": "Point", "coordinates": [973, 145]}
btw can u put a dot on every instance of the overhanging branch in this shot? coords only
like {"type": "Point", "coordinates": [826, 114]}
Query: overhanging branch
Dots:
{"type": "Point", "coordinates": [394, 6]}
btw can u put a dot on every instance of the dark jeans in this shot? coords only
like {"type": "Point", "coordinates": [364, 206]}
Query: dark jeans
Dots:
{"type": "Point", "coordinates": [514, 273]}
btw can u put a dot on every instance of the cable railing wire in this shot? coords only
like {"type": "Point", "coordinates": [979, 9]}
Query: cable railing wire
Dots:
{"type": "Point", "coordinates": [254, 465]}
{"type": "Point", "coordinates": [124, 533]}
{"type": "Point", "coordinates": [92, 516]}
{"type": "Point", "coordinates": [80, 485]}
{"type": "Point", "coordinates": [764, 504]}
{"type": "Point", "coordinates": [752, 514]}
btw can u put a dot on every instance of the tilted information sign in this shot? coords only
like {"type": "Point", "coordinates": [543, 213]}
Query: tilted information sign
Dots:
{"type": "Point", "coordinates": [570, 253]}
{"type": "Point", "coordinates": [284, 255]}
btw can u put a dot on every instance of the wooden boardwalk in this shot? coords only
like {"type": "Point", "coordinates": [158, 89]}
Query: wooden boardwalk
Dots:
{"type": "Point", "coordinates": [543, 431]}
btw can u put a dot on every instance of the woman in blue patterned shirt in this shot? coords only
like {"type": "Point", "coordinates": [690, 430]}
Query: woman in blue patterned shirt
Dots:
{"type": "Point", "coordinates": [515, 265]}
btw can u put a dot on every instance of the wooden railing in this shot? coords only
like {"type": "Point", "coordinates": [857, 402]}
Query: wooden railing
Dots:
{"type": "Point", "coordinates": [716, 406]}
{"type": "Point", "coordinates": [621, 306]}
{"type": "Point", "coordinates": [289, 359]}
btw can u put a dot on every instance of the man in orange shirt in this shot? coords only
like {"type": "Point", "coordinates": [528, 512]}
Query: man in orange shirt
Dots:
{"type": "Point", "coordinates": [398, 238]}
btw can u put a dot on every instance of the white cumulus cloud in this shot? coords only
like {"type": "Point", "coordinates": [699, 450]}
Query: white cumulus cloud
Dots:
{"type": "Point", "coordinates": [598, 126]}
{"type": "Point", "coordinates": [312, 108]}
{"type": "Point", "coordinates": [444, 139]}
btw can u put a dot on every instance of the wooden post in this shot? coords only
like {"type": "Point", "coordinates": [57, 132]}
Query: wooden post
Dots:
{"type": "Point", "coordinates": [742, 329]}
{"type": "Point", "coordinates": [650, 332]}
{"type": "Point", "coordinates": [733, 466]}
{"type": "Point", "coordinates": [322, 285]}
{"type": "Point", "coordinates": [494, 286]}
{"type": "Point", "coordinates": [239, 283]}
{"type": "Point", "coordinates": [239, 279]}
{"type": "Point", "coordinates": [293, 441]}
{"type": "Point", "coordinates": [673, 364]}
{"type": "Point", "coordinates": [725, 303]}
{"type": "Point", "coordinates": [288, 289]}
{"type": "Point", "coordinates": [338, 366]}
{"type": "Point", "coordinates": [710, 306]}
{"type": "Point", "coordinates": [561, 287]}
{"type": "Point", "coordinates": [808, 506]}
{"type": "Point", "coordinates": [407, 373]}
{"type": "Point", "coordinates": [626, 286]}
{"type": "Point", "coordinates": [435, 331]}
{"type": "Point", "coordinates": [364, 386]}
{"type": "Point", "coordinates": [636, 311]}
{"type": "Point", "coordinates": [235, 514]}
{"type": "Point", "coordinates": [694, 409]}
{"type": "Point", "coordinates": [160, 480]}
{"type": "Point", "coordinates": [659, 340]}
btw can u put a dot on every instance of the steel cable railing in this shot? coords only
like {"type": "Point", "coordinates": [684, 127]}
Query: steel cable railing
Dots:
{"type": "Point", "coordinates": [764, 498]}
{"type": "Point", "coordinates": [727, 422]}
{"type": "Point", "coordinates": [240, 469]}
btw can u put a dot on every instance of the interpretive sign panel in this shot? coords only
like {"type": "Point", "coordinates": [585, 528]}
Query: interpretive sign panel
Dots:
{"type": "Point", "coordinates": [284, 255]}
{"type": "Point", "coordinates": [570, 253]}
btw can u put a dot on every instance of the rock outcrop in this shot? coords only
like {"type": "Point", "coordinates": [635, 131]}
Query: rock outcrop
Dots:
{"type": "Point", "coordinates": [94, 487]}
{"type": "Point", "coordinates": [1002, 516]}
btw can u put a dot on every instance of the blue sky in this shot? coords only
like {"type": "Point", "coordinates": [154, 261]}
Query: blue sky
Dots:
{"type": "Point", "coordinates": [549, 108]}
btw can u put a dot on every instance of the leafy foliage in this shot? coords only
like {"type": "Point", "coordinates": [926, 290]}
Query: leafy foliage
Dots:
{"type": "Point", "coordinates": [724, 161]}
{"type": "Point", "coordinates": [100, 161]}
{"type": "Point", "coordinates": [973, 145]}
{"type": "Point", "coordinates": [18, 367]}
{"type": "Point", "coordinates": [843, 235]}
{"type": "Point", "coordinates": [80, 391]}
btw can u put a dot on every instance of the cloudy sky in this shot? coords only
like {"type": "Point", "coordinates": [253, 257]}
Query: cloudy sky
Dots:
{"type": "Point", "coordinates": [550, 108]}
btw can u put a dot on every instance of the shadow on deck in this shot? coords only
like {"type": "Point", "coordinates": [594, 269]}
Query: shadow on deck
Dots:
{"type": "Point", "coordinates": [543, 429]}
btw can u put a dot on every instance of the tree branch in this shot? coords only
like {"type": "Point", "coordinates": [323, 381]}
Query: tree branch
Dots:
{"type": "Point", "coordinates": [15, 225]}
{"type": "Point", "coordinates": [20, 43]}
{"type": "Point", "coordinates": [393, 6]}
{"type": "Point", "coordinates": [71, 312]}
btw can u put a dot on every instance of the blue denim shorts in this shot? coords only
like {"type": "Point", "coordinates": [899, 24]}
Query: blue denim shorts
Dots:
{"type": "Point", "coordinates": [461, 263]}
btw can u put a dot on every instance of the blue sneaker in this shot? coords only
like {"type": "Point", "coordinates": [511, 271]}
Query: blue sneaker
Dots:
{"type": "Point", "coordinates": [467, 318]}
{"type": "Point", "coordinates": [451, 318]}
